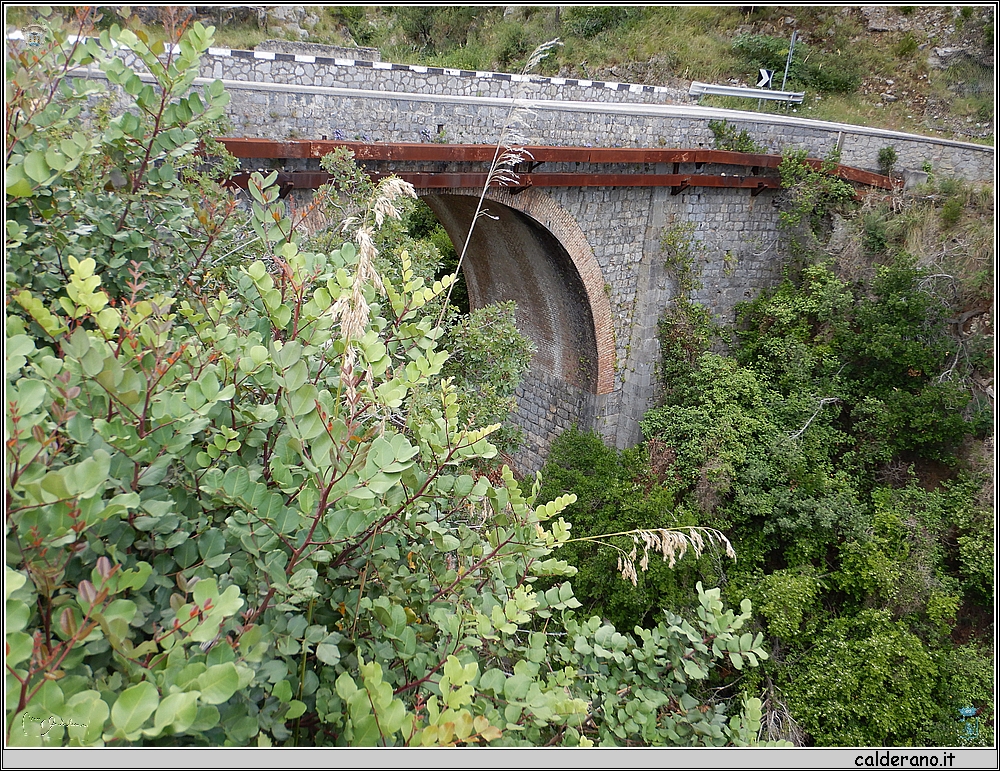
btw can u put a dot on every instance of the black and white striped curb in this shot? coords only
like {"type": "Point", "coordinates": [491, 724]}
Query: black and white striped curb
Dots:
{"type": "Point", "coordinates": [634, 88]}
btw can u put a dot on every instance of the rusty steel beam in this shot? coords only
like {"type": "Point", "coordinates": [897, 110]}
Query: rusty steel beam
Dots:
{"type": "Point", "coordinates": [852, 174]}
{"type": "Point", "coordinates": [307, 180]}
{"type": "Point", "coordinates": [417, 151]}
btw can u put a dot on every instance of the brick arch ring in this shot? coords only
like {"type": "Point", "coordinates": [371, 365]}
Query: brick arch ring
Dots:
{"type": "Point", "coordinates": [540, 207]}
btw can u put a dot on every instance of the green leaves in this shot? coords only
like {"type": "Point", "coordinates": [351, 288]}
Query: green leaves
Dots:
{"type": "Point", "coordinates": [218, 683]}
{"type": "Point", "coordinates": [133, 707]}
{"type": "Point", "coordinates": [35, 166]}
{"type": "Point", "coordinates": [176, 712]}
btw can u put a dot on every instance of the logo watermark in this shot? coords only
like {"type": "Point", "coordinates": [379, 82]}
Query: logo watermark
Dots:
{"type": "Point", "coordinates": [35, 35]}
{"type": "Point", "coordinates": [47, 724]}
{"type": "Point", "coordinates": [971, 732]}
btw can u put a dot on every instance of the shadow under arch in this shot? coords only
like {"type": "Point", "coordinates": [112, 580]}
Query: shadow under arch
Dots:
{"type": "Point", "coordinates": [530, 250]}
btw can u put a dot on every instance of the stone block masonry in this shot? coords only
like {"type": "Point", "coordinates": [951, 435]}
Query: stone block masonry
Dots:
{"type": "Point", "coordinates": [547, 406]}
{"type": "Point", "coordinates": [859, 145]}
{"type": "Point", "coordinates": [274, 112]}
{"type": "Point", "coordinates": [353, 71]}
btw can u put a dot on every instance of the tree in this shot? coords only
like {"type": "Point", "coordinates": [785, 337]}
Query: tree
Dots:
{"type": "Point", "coordinates": [832, 444]}
{"type": "Point", "coordinates": [245, 510]}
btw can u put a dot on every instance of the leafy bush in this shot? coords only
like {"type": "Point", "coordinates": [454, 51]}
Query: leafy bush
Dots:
{"type": "Point", "coordinates": [681, 251]}
{"type": "Point", "coordinates": [827, 72]}
{"type": "Point", "coordinates": [685, 332]}
{"type": "Point", "coordinates": [589, 21]}
{"type": "Point", "coordinates": [812, 192]}
{"type": "Point", "coordinates": [726, 137]}
{"type": "Point", "coordinates": [966, 679]}
{"type": "Point", "coordinates": [867, 682]}
{"type": "Point", "coordinates": [249, 513]}
{"type": "Point", "coordinates": [951, 212]}
{"type": "Point", "coordinates": [489, 356]}
{"type": "Point", "coordinates": [615, 492]}
{"type": "Point", "coordinates": [128, 193]}
{"type": "Point", "coordinates": [819, 447]}
{"type": "Point", "coordinates": [874, 232]}
{"type": "Point", "coordinates": [438, 30]}
{"type": "Point", "coordinates": [887, 158]}
{"type": "Point", "coordinates": [512, 44]}
{"type": "Point", "coordinates": [787, 599]}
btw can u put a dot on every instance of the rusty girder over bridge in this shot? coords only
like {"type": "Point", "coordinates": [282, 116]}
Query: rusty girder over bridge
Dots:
{"type": "Point", "coordinates": [748, 170]}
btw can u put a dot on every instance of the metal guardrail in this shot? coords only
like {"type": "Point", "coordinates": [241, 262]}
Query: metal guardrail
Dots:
{"type": "Point", "coordinates": [704, 89]}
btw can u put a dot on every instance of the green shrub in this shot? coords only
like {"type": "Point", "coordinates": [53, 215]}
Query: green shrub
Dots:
{"type": "Point", "coordinates": [906, 46]}
{"type": "Point", "coordinates": [828, 72]}
{"type": "Point", "coordinates": [813, 193]}
{"type": "Point", "coordinates": [681, 252]}
{"type": "Point", "coordinates": [439, 30]}
{"type": "Point", "coordinates": [590, 21]}
{"type": "Point", "coordinates": [951, 212]}
{"type": "Point", "coordinates": [827, 447]}
{"type": "Point", "coordinates": [967, 677]}
{"type": "Point", "coordinates": [887, 158]}
{"type": "Point", "coordinates": [787, 598]}
{"type": "Point", "coordinates": [874, 232]}
{"type": "Point", "coordinates": [618, 492]}
{"type": "Point", "coordinates": [129, 193]}
{"type": "Point", "coordinates": [489, 357]}
{"type": "Point", "coordinates": [866, 682]}
{"type": "Point", "coordinates": [726, 137]}
{"type": "Point", "coordinates": [512, 45]}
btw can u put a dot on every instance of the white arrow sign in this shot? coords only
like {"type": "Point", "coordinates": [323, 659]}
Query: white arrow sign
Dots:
{"type": "Point", "coordinates": [765, 78]}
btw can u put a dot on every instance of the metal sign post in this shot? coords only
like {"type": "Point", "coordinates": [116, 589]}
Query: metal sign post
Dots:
{"type": "Point", "coordinates": [788, 61]}
{"type": "Point", "coordinates": [766, 78]}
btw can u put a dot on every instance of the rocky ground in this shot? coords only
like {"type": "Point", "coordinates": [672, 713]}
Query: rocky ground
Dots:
{"type": "Point", "coordinates": [944, 40]}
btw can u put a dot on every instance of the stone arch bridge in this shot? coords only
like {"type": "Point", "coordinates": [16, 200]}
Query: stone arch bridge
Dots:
{"type": "Point", "coordinates": [577, 243]}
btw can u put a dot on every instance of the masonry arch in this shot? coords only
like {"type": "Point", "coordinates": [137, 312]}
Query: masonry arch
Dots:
{"type": "Point", "coordinates": [532, 251]}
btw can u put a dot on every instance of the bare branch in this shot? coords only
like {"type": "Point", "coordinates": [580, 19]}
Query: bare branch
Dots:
{"type": "Point", "coordinates": [822, 403]}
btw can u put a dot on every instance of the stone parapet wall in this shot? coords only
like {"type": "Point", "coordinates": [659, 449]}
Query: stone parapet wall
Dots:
{"type": "Point", "coordinates": [289, 95]}
{"type": "Point", "coordinates": [334, 113]}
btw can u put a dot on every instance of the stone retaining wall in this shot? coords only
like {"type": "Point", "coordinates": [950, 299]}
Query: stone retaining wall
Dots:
{"type": "Point", "coordinates": [349, 72]}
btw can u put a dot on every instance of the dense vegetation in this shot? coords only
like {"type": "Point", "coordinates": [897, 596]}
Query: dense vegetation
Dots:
{"type": "Point", "coordinates": [844, 443]}
{"type": "Point", "coordinates": [244, 492]}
